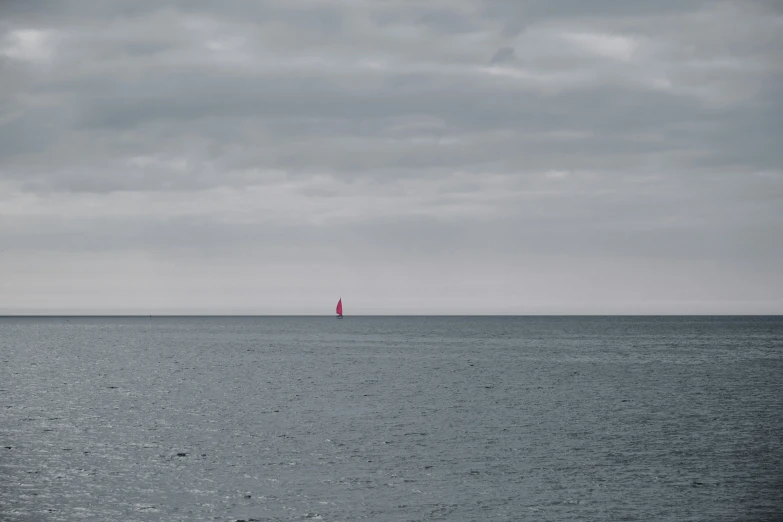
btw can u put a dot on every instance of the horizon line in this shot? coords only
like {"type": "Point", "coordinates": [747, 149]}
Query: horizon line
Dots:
{"type": "Point", "coordinates": [197, 315]}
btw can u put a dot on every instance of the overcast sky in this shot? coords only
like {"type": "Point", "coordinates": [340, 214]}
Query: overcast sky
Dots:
{"type": "Point", "coordinates": [438, 156]}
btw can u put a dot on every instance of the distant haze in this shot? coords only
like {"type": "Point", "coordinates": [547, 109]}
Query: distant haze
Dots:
{"type": "Point", "coordinates": [447, 156]}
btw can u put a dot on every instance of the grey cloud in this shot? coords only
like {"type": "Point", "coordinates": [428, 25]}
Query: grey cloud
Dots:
{"type": "Point", "coordinates": [452, 133]}
{"type": "Point", "coordinates": [448, 21]}
{"type": "Point", "coordinates": [504, 54]}
{"type": "Point", "coordinates": [574, 8]}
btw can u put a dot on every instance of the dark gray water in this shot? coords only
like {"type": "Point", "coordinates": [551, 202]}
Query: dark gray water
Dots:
{"type": "Point", "coordinates": [438, 418]}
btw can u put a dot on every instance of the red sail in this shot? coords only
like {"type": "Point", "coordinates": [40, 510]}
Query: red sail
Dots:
{"type": "Point", "coordinates": [340, 307]}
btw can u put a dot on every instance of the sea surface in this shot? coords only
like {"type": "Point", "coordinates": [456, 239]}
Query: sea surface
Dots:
{"type": "Point", "coordinates": [391, 418]}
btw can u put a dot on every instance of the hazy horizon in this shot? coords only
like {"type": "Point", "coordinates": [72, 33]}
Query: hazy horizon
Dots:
{"type": "Point", "coordinates": [199, 313]}
{"type": "Point", "coordinates": [449, 157]}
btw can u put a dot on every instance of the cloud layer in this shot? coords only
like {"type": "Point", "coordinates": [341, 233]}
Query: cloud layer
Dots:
{"type": "Point", "coordinates": [451, 156]}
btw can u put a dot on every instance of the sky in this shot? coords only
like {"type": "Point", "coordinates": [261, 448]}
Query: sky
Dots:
{"type": "Point", "coordinates": [411, 157]}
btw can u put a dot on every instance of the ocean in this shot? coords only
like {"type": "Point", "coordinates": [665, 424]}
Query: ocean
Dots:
{"type": "Point", "coordinates": [391, 418]}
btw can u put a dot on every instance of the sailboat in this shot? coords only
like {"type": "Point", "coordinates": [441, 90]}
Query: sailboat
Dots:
{"type": "Point", "coordinates": [340, 308]}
